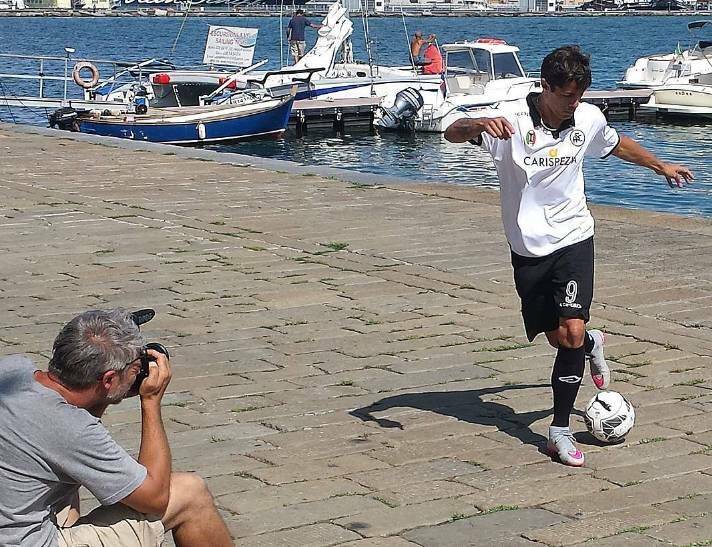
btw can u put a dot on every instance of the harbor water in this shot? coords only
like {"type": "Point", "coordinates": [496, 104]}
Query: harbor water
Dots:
{"type": "Point", "coordinates": [613, 42]}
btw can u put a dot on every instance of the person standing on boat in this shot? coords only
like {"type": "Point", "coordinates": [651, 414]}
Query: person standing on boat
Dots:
{"type": "Point", "coordinates": [416, 44]}
{"type": "Point", "coordinates": [295, 34]}
{"type": "Point", "coordinates": [538, 144]}
{"type": "Point", "coordinates": [432, 57]}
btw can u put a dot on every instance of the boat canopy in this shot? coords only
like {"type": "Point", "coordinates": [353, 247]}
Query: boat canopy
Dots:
{"type": "Point", "coordinates": [495, 60]}
{"type": "Point", "coordinates": [498, 47]}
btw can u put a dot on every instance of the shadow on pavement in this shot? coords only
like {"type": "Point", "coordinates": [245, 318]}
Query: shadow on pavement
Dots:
{"type": "Point", "coordinates": [466, 406]}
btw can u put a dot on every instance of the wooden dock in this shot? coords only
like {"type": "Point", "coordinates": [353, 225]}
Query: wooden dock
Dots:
{"type": "Point", "coordinates": [340, 114]}
{"type": "Point", "coordinates": [334, 115]}
{"type": "Point", "coordinates": [621, 104]}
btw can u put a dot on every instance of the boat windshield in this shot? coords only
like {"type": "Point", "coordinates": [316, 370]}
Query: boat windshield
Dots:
{"type": "Point", "coordinates": [475, 61]}
{"type": "Point", "coordinates": [506, 66]}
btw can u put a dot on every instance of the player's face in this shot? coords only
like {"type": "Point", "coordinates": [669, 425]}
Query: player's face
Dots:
{"type": "Point", "coordinates": [562, 101]}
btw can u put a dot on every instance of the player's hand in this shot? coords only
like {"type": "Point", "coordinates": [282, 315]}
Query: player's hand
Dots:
{"type": "Point", "coordinates": [677, 175]}
{"type": "Point", "coordinates": [159, 376]}
{"type": "Point", "coordinates": [499, 128]}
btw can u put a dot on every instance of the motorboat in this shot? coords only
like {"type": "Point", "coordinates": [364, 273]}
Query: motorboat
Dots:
{"type": "Point", "coordinates": [691, 100]}
{"type": "Point", "coordinates": [478, 74]}
{"type": "Point", "coordinates": [247, 115]}
{"type": "Point", "coordinates": [678, 67]}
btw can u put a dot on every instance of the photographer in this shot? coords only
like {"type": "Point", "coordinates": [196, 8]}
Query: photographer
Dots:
{"type": "Point", "coordinates": [52, 442]}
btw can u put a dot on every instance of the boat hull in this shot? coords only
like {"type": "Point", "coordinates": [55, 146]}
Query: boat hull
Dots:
{"type": "Point", "coordinates": [229, 124]}
{"type": "Point", "coordinates": [689, 101]}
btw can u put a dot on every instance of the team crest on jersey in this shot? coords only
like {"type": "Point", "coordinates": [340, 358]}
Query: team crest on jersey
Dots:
{"type": "Point", "coordinates": [530, 137]}
{"type": "Point", "coordinates": [577, 137]}
{"type": "Point", "coordinates": [553, 153]}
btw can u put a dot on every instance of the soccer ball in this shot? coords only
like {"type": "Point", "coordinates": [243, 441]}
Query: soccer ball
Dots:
{"type": "Point", "coordinates": [609, 416]}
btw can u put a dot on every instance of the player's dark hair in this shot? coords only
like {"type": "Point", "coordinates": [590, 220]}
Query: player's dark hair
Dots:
{"type": "Point", "coordinates": [567, 64]}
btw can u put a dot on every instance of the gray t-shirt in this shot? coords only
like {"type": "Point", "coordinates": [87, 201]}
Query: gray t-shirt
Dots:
{"type": "Point", "coordinates": [48, 448]}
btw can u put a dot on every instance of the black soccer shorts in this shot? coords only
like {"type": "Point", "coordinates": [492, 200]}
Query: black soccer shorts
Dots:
{"type": "Point", "coordinates": [554, 286]}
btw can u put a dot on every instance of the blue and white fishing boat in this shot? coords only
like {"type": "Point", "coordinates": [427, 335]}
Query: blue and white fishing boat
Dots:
{"type": "Point", "coordinates": [192, 124]}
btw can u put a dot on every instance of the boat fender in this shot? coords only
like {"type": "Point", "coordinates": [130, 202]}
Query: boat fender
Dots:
{"type": "Point", "coordinates": [201, 131]}
{"type": "Point", "coordinates": [64, 118]}
{"type": "Point", "coordinates": [80, 80]}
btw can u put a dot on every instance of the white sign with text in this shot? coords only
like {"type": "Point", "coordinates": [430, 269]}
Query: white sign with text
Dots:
{"type": "Point", "coordinates": [230, 46]}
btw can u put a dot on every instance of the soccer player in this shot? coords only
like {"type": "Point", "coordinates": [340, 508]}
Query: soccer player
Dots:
{"type": "Point", "coordinates": [538, 144]}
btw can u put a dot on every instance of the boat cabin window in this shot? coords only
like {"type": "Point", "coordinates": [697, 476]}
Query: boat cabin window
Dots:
{"type": "Point", "coordinates": [506, 66]}
{"type": "Point", "coordinates": [460, 62]}
{"type": "Point", "coordinates": [483, 60]}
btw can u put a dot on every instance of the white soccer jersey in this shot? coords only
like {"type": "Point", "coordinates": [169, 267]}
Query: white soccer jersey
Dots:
{"type": "Point", "coordinates": [541, 177]}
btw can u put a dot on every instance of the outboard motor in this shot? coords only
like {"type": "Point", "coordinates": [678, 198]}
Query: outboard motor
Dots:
{"type": "Point", "coordinates": [64, 118]}
{"type": "Point", "coordinates": [401, 116]}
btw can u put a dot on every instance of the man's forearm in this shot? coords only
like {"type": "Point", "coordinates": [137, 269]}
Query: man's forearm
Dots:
{"type": "Point", "coordinates": [630, 151]}
{"type": "Point", "coordinates": [463, 130]}
{"type": "Point", "coordinates": [155, 452]}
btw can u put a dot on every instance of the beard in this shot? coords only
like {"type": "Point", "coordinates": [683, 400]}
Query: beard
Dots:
{"type": "Point", "coordinates": [118, 396]}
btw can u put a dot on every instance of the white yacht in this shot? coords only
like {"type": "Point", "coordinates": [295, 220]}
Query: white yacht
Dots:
{"type": "Point", "coordinates": [478, 74]}
{"type": "Point", "coordinates": [678, 67]}
{"type": "Point", "coordinates": [691, 100]}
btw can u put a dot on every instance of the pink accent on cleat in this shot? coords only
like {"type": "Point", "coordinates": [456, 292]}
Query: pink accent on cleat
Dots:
{"type": "Point", "coordinates": [598, 380]}
{"type": "Point", "coordinates": [561, 445]}
{"type": "Point", "coordinates": [600, 373]}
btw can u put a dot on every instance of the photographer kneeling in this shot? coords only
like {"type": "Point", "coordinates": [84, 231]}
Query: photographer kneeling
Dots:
{"type": "Point", "coordinates": [52, 442]}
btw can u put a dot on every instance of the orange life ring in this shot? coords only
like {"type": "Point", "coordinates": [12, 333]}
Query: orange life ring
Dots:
{"type": "Point", "coordinates": [79, 80]}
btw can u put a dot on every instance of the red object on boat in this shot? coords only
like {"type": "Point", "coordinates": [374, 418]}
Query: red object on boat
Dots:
{"type": "Point", "coordinates": [161, 78]}
{"type": "Point", "coordinates": [491, 41]}
{"type": "Point", "coordinates": [231, 85]}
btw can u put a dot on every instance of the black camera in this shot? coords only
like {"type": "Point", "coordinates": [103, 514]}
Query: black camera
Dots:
{"type": "Point", "coordinates": [140, 317]}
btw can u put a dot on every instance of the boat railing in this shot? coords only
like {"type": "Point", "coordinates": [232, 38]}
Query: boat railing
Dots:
{"type": "Point", "coordinates": [309, 72]}
{"type": "Point", "coordinates": [261, 82]}
{"type": "Point", "coordinates": [43, 80]}
{"type": "Point", "coordinates": [134, 71]}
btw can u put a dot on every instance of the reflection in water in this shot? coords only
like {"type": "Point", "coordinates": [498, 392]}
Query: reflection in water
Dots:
{"type": "Point", "coordinates": [429, 157]}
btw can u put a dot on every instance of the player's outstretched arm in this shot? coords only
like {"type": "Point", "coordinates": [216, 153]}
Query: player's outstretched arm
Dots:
{"type": "Point", "coordinates": [467, 129]}
{"type": "Point", "coordinates": [629, 150]}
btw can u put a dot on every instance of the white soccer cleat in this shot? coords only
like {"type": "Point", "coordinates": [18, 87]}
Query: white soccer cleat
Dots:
{"type": "Point", "coordinates": [600, 373]}
{"type": "Point", "coordinates": [561, 444]}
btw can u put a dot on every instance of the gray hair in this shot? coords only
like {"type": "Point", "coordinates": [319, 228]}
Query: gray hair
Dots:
{"type": "Point", "coordinates": [93, 343]}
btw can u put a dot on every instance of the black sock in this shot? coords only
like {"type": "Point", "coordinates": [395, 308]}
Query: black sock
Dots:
{"type": "Point", "coordinates": [565, 381]}
{"type": "Point", "coordinates": [588, 342]}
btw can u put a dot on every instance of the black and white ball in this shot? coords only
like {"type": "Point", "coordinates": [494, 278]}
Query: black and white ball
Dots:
{"type": "Point", "coordinates": [609, 416]}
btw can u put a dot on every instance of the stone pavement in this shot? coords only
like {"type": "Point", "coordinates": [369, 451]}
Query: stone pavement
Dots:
{"type": "Point", "coordinates": [290, 301]}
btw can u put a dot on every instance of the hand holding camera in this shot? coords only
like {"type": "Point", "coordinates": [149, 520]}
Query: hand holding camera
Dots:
{"type": "Point", "coordinates": [155, 373]}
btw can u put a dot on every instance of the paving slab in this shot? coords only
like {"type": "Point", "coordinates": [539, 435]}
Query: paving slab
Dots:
{"type": "Point", "coordinates": [497, 528]}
